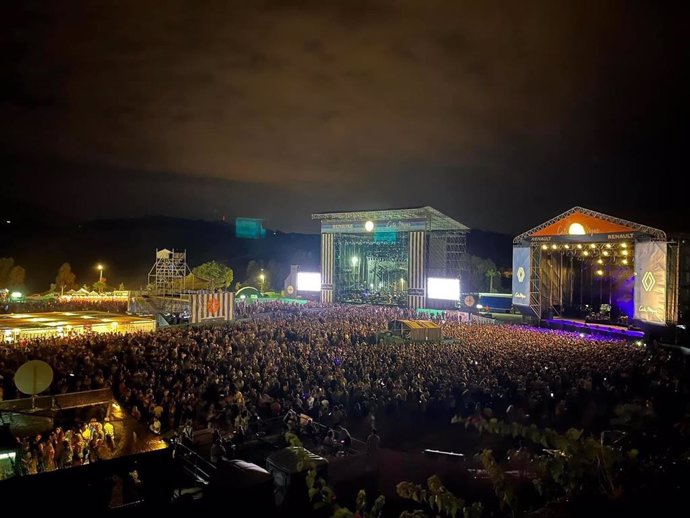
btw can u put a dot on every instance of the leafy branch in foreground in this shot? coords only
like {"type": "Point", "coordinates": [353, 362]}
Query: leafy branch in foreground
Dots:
{"type": "Point", "coordinates": [438, 498]}
{"type": "Point", "coordinates": [563, 465]}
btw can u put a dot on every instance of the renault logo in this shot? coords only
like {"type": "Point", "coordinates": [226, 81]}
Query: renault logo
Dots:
{"type": "Point", "coordinates": [521, 274]}
{"type": "Point", "coordinates": [648, 281]}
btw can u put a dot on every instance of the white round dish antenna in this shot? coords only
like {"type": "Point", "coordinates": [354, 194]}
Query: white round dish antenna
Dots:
{"type": "Point", "coordinates": [33, 377]}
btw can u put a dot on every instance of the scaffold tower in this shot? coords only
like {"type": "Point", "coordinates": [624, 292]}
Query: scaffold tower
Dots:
{"type": "Point", "coordinates": [167, 276]}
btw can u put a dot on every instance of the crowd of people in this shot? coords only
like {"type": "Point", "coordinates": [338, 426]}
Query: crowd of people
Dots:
{"type": "Point", "coordinates": [82, 444]}
{"type": "Point", "coordinates": [324, 362]}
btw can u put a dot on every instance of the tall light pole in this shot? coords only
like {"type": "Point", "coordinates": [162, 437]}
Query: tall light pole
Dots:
{"type": "Point", "coordinates": [100, 272]}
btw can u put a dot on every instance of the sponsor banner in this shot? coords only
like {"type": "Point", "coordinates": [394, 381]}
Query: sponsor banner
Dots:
{"type": "Point", "coordinates": [592, 238]}
{"type": "Point", "coordinates": [385, 227]}
{"type": "Point", "coordinates": [207, 305]}
{"type": "Point", "coordinates": [650, 282]}
{"type": "Point", "coordinates": [521, 275]}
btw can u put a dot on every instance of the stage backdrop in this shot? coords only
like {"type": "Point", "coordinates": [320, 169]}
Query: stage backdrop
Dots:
{"type": "Point", "coordinates": [208, 305]}
{"type": "Point", "coordinates": [521, 273]}
{"type": "Point", "coordinates": [650, 282]}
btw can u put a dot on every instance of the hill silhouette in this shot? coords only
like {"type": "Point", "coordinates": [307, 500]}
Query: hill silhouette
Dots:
{"type": "Point", "coordinates": [126, 247]}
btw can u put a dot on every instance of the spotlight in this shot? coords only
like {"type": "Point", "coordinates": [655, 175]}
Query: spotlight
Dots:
{"type": "Point", "coordinates": [567, 247]}
{"type": "Point", "coordinates": [608, 245]}
{"type": "Point", "coordinates": [544, 247]}
{"type": "Point", "coordinates": [624, 252]}
{"type": "Point", "coordinates": [600, 272]}
{"type": "Point", "coordinates": [605, 253]}
{"type": "Point", "coordinates": [625, 261]}
{"type": "Point", "coordinates": [624, 245]}
{"type": "Point", "coordinates": [554, 246]}
{"type": "Point", "coordinates": [585, 253]}
{"type": "Point", "coordinates": [592, 246]}
{"type": "Point", "coordinates": [579, 246]}
{"type": "Point", "coordinates": [600, 261]}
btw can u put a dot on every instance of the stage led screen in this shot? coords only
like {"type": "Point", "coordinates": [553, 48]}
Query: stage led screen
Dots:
{"type": "Point", "coordinates": [308, 281]}
{"type": "Point", "coordinates": [521, 274]}
{"type": "Point", "coordinates": [443, 289]}
{"type": "Point", "coordinates": [650, 282]}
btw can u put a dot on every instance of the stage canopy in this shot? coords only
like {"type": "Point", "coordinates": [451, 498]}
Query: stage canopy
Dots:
{"type": "Point", "coordinates": [580, 224]}
{"type": "Point", "coordinates": [432, 218]}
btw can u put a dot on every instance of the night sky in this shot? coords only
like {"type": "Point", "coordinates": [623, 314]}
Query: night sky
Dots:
{"type": "Point", "coordinates": [500, 114]}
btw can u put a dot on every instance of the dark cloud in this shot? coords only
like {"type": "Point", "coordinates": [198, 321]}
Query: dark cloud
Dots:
{"type": "Point", "coordinates": [486, 111]}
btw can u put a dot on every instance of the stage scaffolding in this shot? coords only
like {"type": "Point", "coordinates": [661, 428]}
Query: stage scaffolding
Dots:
{"type": "Point", "coordinates": [168, 273]}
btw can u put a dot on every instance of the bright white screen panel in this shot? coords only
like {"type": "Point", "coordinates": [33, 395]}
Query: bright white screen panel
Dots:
{"type": "Point", "coordinates": [443, 289]}
{"type": "Point", "coordinates": [308, 281]}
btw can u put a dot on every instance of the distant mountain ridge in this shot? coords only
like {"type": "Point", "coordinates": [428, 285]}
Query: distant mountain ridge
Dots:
{"type": "Point", "coordinates": [127, 247]}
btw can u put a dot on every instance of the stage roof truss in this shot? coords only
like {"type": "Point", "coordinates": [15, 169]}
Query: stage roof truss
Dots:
{"type": "Point", "coordinates": [654, 233]}
{"type": "Point", "coordinates": [435, 219]}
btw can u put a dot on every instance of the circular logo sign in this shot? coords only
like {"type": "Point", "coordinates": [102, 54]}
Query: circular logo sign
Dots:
{"type": "Point", "coordinates": [469, 301]}
{"type": "Point", "coordinates": [213, 305]}
{"type": "Point", "coordinates": [290, 289]}
{"type": "Point", "coordinates": [521, 274]}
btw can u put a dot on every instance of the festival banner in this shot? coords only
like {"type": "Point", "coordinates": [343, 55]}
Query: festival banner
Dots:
{"type": "Point", "coordinates": [650, 282]}
{"type": "Point", "coordinates": [521, 275]}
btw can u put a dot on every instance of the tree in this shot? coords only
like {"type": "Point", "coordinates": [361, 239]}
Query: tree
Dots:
{"type": "Point", "coordinates": [65, 279]}
{"type": "Point", "coordinates": [6, 264]}
{"type": "Point", "coordinates": [477, 278]}
{"type": "Point", "coordinates": [491, 273]}
{"type": "Point", "coordinates": [253, 270]}
{"type": "Point", "coordinates": [15, 280]}
{"type": "Point", "coordinates": [217, 274]}
{"type": "Point", "coordinates": [100, 286]}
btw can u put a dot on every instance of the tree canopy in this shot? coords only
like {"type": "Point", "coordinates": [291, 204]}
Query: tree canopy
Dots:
{"type": "Point", "coordinates": [217, 274]}
{"type": "Point", "coordinates": [65, 279]}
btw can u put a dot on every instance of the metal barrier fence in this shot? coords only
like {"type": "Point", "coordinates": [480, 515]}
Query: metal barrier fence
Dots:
{"type": "Point", "coordinates": [58, 401]}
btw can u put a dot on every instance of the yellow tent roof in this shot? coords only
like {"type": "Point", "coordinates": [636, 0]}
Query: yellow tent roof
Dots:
{"type": "Point", "coordinates": [420, 324]}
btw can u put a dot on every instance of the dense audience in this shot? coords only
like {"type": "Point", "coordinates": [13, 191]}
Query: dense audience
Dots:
{"type": "Point", "coordinates": [325, 362]}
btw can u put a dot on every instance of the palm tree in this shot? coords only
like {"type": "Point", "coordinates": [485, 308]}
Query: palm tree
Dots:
{"type": "Point", "coordinates": [491, 273]}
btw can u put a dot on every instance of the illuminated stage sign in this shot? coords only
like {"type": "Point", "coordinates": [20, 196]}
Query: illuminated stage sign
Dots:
{"type": "Point", "coordinates": [579, 224]}
{"type": "Point", "coordinates": [521, 275]}
{"type": "Point", "coordinates": [591, 238]}
{"type": "Point", "coordinates": [380, 227]}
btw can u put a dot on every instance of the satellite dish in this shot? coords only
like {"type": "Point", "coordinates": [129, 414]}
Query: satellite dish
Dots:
{"type": "Point", "coordinates": [33, 377]}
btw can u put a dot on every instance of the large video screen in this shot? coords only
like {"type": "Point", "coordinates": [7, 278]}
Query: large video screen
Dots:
{"type": "Point", "coordinates": [443, 289]}
{"type": "Point", "coordinates": [308, 281]}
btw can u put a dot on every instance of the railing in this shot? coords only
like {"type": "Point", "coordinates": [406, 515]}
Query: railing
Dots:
{"type": "Point", "coordinates": [58, 401]}
{"type": "Point", "coordinates": [193, 463]}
